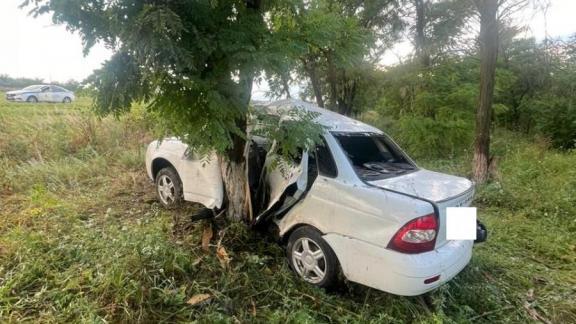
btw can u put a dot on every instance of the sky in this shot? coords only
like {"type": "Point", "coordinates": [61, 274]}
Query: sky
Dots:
{"type": "Point", "coordinates": [36, 48]}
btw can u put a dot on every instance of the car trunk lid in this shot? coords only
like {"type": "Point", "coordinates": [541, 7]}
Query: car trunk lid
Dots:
{"type": "Point", "coordinates": [441, 189]}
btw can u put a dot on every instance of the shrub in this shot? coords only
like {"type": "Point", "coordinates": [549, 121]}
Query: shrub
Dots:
{"type": "Point", "coordinates": [532, 179]}
{"type": "Point", "coordinates": [429, 138]}
{"type": "Point", "coordinates": [556, 118]}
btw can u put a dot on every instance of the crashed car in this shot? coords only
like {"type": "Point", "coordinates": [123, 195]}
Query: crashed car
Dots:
{"type": "Point", "coordinates": [355, 204]}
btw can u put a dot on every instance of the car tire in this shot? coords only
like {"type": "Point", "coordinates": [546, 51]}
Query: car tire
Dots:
{"type": "Point", "coordinates": [311, 258]}
{"type": "Point", "coordinates": [66, 100]}
{"type": "Point", "coordinates": [169, 188]}
{"type": "Point", "coordinates": [32, 99]}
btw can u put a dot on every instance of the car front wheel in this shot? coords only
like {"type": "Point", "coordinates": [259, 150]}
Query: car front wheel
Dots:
{"type": "Point", "coordinates": [169, 188]}
{"type": "Point", "coordinates": [312, 258]}
{"type": "Point", "coordinates": [67, 100]}
{"type": "Point", "coordinates": [32, 99]}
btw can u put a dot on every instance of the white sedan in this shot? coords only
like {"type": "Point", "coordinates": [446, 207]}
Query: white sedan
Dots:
{"type": "Point", "coordinates": [41, 93]}
{"type": "Point", "coordinates": [357, 204]}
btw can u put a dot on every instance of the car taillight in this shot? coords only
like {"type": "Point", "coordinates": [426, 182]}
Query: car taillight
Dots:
{"type": "Point", "coordinates": [417, 236]}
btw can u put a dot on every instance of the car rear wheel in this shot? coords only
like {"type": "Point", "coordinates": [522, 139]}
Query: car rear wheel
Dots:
{"type": "Point", "coordinates": [32, 99]}
{"type": "Point", "coordinates": [312, 258]}
{"type": "Point", "coordinates": [67, 100]}
{"type": "Point", "coordinates": [169, 188]}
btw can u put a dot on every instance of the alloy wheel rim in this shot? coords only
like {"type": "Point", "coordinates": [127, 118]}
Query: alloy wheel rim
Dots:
{"type": "Point", "coordinates": [309, 260]}
{"type": "Point", "coordinates": [166, 189]}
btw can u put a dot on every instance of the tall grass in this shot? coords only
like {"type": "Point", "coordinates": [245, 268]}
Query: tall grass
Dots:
{"type": "Point", "coordinates": [83, 240]}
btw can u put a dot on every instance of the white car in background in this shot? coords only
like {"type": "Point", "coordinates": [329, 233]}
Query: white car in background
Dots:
{"type": "Point", "coordinates": [41, 93]}
{"type": "Point", "coordinates": [356, 204]}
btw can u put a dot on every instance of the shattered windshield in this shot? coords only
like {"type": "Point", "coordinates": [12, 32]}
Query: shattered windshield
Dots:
{"type": "Point", "coordinates": [374, 156]}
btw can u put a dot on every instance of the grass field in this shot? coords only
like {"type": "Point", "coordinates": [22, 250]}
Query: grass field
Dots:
{"type": "Point", "coordinates": [83, 240]}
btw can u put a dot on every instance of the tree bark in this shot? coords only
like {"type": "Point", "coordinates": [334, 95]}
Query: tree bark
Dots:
{"type": "Point", "coordinates": [332, 81]}
{"type": "Point", "coordinates": [348, 94]}
{"type": "Point", "coordinates": [233, 164]}
{"type": "Point", "coordinates": [420, 37]}
{"type": "Point", "coordinates": [488, 54]}
{"type": "Point", "coordinates": [311, 70]}
{"type": "Point", "coordinates": [286, 87]}
{"type": "Point", "coordinates": [235, 188]}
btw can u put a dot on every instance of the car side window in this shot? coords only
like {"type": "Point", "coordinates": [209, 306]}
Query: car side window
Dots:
{"type": "Point", "coordinates": [325, 160]}
{"type": "Point", "coordinates": [57, 89]}
{"type": "Point", "coordinates": [45, 89]}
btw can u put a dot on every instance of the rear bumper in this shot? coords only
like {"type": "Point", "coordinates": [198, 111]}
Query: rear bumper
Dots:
{"type": "Point", "coordinates": [399, 273]}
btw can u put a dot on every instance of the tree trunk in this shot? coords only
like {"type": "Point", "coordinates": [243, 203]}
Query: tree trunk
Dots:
{"type": "Point", "coordinates": [488, 54]}
{"type": "Point", "coordinates": [350, 84]}
{"type": "Point", "coordinates": [234, 172]}
{"type": "Point", "coordinates": [311, 70]}
{"type": "Point", "coordinates": [286, 87]}
{"type": "Point", "coordinates": [235, 188]}
{"type": "Point", "coordinates": [332, 81]}
{"type": "Point", "coordinates": [420, 37]}
{"type": "Point", "coordinates": [233, 163]}
{"type": "Point", "coordinates": [348, 94]}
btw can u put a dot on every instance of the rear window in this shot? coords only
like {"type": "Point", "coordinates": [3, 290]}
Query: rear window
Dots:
{"type": "Point", "coordinates": [374, 156]}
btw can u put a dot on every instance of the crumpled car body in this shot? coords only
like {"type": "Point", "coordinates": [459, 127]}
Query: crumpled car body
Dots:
{"type": "Point", "coordinates": [358, 189]}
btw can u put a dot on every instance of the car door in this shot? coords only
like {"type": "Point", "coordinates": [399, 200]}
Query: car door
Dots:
{"type": "Point", "coordinates": [45, 94]}
{"type": "Point", "coordinates": [285, 174]}
{"type": "Point", "coordinates": [286, 182]}
{"type": "Point", "coordinates": [201, 178]}
{"type": "Point", "coordinates": [57, 94]}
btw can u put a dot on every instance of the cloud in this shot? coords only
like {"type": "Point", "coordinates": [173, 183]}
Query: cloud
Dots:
{"type": "Point", "coordinates": [35, 47]}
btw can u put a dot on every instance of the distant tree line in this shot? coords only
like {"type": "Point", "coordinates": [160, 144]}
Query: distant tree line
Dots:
{"type": "Point", "coordinates": [10, 83]}
{"type": "Point", "coordinates": [433, 110]}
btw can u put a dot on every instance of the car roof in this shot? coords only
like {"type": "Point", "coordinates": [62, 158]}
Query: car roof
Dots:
{"type": "Point", "coordinates": [334, 121]}
{"type": "Point", "coordinates": [45, 85]}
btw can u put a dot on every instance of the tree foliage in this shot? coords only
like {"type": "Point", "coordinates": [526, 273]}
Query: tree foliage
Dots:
{"type": "Point", "coordinates": [336, 41]}
{"type": "Point", "coordinates": [438, 28]}
{"type": "Point", "coordinates": [191, 61]}
{"type": "Point", "coordinates": [541, 95]}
